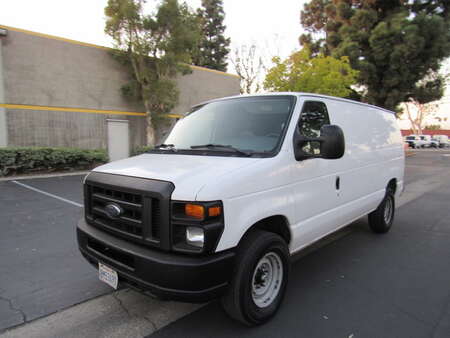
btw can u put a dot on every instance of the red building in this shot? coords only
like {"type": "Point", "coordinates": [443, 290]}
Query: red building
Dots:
{"type": "Point", "coordinates": [428, 132]}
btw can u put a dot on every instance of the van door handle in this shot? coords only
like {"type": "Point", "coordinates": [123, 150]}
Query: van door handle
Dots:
{"type": "Point", "coordinates": [338, 183]}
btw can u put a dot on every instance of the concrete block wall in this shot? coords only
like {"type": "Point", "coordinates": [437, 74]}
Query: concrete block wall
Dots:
{"type": "Point", "coordinates": [46, 71]}
{"type": "Point", "coordinates": [65, 129]}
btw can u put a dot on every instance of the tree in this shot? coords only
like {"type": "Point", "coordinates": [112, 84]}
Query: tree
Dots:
{"type": "Point", "coordinates": [433, 127]}
{"type": "Point", "coordinates": [303, 73]}
{"type": "Point", "coordinates": [395, 44]}
{"type": "Point", "coordinates": [155, 48]}
{"type": "Point", "coordinates": [252, 60]}
{"type": "Point", "coordinates": [249, 65]}
{"type": "Point", "coordinates": [424, 104]}
{"type": "Point", "coordinates": [418, 113]}
{"type": "Point", "coordinates": [213, 47]}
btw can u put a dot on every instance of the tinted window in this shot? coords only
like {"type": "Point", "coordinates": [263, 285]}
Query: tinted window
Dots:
{"type": "Point", "coordinates": [314, 115]}
{"type": "Point", "coordinates": [254, 124]}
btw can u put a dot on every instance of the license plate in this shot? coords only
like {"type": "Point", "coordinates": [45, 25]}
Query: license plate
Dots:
{"type": "Point", "coordinates": [108, 275]}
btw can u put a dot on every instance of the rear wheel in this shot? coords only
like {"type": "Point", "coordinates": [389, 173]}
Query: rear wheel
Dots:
{"type": "Point", "coordinates": [380, 220]}
{"type": "Point", "coordinates": [260, 278]}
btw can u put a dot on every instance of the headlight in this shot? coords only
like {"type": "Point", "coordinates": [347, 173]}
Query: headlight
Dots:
{"type": "Point", "coordinates": [195, 236]}
{"type": "Point", "coordinates": [196, 226]}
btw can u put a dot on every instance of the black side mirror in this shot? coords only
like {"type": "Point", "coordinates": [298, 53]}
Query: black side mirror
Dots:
{"type": "Point", "coordinates": [331, 141]}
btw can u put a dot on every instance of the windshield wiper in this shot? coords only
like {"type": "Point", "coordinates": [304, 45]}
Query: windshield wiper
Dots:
{"type": "Point", "coordinates": [223, 146]}
{"type": "Point", "coordinates": [166, 147]}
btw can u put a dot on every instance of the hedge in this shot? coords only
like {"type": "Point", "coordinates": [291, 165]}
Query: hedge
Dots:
{"type": "Point", "coordinates": [19, 160]}
{"type": "Point", "coordinates": [140, 150]}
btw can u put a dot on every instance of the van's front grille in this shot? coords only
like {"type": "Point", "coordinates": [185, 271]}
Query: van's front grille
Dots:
{"type": "Point", "coordinates": [129, 213]}
{"type": "Point", "coordinates": [130, 221]}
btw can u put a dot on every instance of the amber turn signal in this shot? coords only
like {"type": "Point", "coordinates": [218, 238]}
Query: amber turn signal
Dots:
{"type": "Point", "coordinates": [194, 210]}
{"type": "Point", "coordinates": [214, 211]}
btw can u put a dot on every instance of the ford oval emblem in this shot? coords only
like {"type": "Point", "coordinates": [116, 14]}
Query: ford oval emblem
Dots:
{"type": "Point", "coordinates": [113, 210]}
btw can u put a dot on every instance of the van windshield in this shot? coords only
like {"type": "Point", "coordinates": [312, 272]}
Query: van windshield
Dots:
{"type": "Point", "coordinates": [242, 125]}
{"type": "Point", "coordinates": [411, 138]}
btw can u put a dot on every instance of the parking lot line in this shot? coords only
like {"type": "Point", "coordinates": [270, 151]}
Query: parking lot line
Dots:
{"type": "Point", "coordinates": [48, 194]}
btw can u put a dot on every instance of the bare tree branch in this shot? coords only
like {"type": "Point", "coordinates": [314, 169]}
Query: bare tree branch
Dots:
{"type": "Point", "coordinates": [249, 66]}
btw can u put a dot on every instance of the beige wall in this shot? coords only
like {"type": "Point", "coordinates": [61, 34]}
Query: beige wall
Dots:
{"type": "Point", "coordinates": [45, 71]}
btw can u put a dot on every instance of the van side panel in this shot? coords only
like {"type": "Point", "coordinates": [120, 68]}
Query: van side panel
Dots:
{"type": "Point", "coordinates": [374, 155]}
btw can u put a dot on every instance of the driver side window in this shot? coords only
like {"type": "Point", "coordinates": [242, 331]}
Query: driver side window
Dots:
{"type": "Point", "coordinates": [314, 115]}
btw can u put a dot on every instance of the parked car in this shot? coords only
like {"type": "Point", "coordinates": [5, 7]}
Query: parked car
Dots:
{"type": "Point", "coordinates": [426, 141]}
{"type": "Point", "coordinates": [410, 140]}
{"type": "Point", "coordinates": [415, 141]}
{"type": "Point", "coordinates": [434, 143]}
{"type": "Point", "coordinates": [240, 185]}
{"type": "Point", "coordinates": [443, 140]}
{"type": "Point", "coordinates": [405, 146]}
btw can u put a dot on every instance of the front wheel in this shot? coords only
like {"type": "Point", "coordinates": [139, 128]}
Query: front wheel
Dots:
{"type": "Point", "coordinates": [260, 278]}
{"type": "Point", "coordinates": [381, 219]}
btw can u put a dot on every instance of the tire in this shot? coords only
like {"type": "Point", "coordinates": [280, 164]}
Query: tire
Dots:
{"type": "Point", "coordinates": [245, 299]}
{"type": "Point", "coordinates": [381, 219]}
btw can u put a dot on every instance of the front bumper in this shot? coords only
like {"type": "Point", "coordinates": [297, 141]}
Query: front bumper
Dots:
{"type": "Point", "coordinates": [166, 275]}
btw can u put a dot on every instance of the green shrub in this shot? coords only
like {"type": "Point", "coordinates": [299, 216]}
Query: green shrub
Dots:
{"type": "Point", "coordinates": [140, 150]}
{"type": "Point", "coordinates": [18, 160]}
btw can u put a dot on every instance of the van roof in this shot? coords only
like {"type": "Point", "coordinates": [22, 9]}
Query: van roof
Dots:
{"type": "Point", "coordinates": [298, 94]}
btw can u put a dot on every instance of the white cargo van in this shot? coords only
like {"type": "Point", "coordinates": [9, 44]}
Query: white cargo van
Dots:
{"type": "Point", "coordinates": [240, 185]}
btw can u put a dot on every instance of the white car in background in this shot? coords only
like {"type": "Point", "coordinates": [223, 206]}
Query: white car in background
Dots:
{"type": "Point", "coordinates": [443, 140]}
{"type": "Point", "coordinates": [426, 141]}
{"type": "Point", "coordinates": [414, 141]}
{"type": "Point", "coordinates": [434, 143]}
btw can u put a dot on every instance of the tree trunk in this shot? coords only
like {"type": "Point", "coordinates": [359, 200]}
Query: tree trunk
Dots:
{"type": "Point", "coordinates": [150, 130]}
{"type": "Point", "coordinates": [420, 117]}
{"type": "Point", "coordinates": [411, 120]}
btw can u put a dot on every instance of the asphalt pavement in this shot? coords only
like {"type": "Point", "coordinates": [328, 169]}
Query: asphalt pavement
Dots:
{"type": "Point", "coordinates": [41, 270]}
{"type": "Point", "coordinates": [357, 284]}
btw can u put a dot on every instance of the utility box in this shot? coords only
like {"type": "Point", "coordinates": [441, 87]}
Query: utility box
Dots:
{"type": "Point", "coordinates": [118, 139]}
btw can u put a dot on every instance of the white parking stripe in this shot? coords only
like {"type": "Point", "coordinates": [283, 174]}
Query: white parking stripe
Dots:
{"type": "Point", "coordinates": [48, 194]}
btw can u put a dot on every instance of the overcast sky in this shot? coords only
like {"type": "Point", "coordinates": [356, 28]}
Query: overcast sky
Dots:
{"type": "Point", "coordinates": [248, 21]}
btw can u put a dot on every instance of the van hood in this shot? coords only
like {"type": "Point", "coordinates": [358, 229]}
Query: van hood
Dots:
{"type": "Point", "coordinates": [189, 173]}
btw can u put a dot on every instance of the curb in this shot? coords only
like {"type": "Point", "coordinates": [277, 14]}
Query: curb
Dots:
{"type": "Point", "coordinates": [29, 177]}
